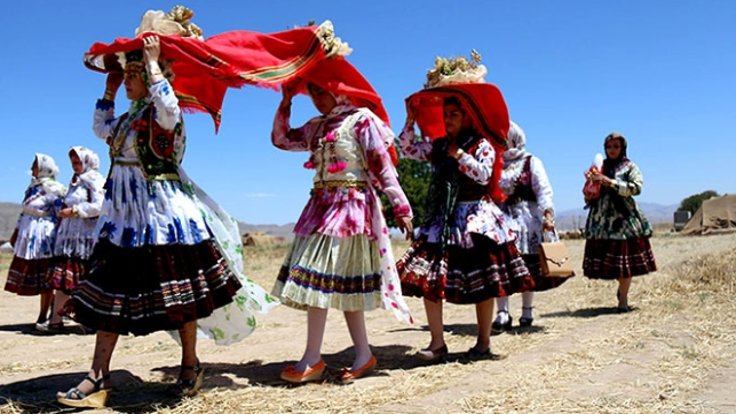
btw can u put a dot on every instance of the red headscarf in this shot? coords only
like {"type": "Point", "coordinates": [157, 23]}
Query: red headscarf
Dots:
{"type": "Point", "coordinates": [483, 102]}
{"type": "Point", "coordinates": [340, 78]}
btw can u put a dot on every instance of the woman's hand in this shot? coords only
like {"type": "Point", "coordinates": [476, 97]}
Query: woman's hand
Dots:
{"type": "Point", "coordinates": [151, 53]}
{"type": "Point", "coordinates": [112, 84]}
{"type": "Point", "coordinates": [151, 49]}
{"type": "Point", "coordinates": [66, 212]}
{"type": "Point", "coordinates": [404, 224]}
{"type": "Point", "coordinates": [287, 94]}
{"type": "Point", "coordinates": [454, 151]}
{"type": "Point", "coordinates": [600, 177]}
{"type": "Point", "coordinates": [549, 221]}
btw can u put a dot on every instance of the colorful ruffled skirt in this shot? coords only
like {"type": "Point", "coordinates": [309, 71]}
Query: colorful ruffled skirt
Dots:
{"type": "Point", "coordinates": [28, 277]}
{"type": "Point", "coordinates": [29, 271]}
{"type": "Point", "coordinates": [155, 265]}
{"type": "Point", "coordinates": [470, 269]}
{"type": "Point", "coordinates": [329, 272]}
{"type": "Point", "coordinates": [617, 259]}
{"type": "Point", "coordinates": [341, 257]}
{"type": "Point", "coordinates": [152, 288]}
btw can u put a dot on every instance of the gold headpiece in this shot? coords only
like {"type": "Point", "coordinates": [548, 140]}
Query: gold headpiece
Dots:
{"type": "Point", "coordinates": [456, 70]}
{"type": "Point", "coordinates": [177, 21]}
{"type": "Point", "coordinates": [333, 45]}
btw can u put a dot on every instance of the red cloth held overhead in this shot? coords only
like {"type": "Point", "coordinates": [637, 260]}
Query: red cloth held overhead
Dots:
{"type": "Point", "coordinates": [205, 69]}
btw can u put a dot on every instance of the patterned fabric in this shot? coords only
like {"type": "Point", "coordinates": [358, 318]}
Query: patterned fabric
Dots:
{"type": "Point", "coordinates": [616, 259]}
{"type": "Point", "coordinates": [136, 211]}
{"type": "Point", "coordinates": [348, 145]}
{"type": "Point", "coordinates": [485, 218]}
{"type": "Point", "coordinates": [337, 212]}
{"type": "Point", "coordinates": [479, 260]}
{"type": "Point", "coordinates": [463, 275]}
{"type": "Point", "coordinates": [541, 283]}
{"type": "Point", "coordinates": [615, 215]}
{"type": "Point", "coordinates": [76, 235]}
{"type": "Point", "coordinates": [329, 272]}
{"type": "Point", "coordinates": [160, 228]}
{"type": "Point", "coordinates": [28, 277]}
{"type": "Point", "coordinates": [529, 196]}
{"type": "Point", "coordinates": [46, 176]}
{"type": "Point", "coordinates": [36, 237]}
{"type": "Point", "coordinates": [155, 288]}
{"type": "Point", "coordinates": [65, 273]}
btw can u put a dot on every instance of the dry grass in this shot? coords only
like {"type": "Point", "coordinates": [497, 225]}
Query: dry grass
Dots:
{"type": "Point", "coordinates": [581, 359]}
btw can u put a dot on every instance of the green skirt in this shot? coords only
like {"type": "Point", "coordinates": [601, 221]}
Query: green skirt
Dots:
{"type": "Point", "coordinates": [329, 272]}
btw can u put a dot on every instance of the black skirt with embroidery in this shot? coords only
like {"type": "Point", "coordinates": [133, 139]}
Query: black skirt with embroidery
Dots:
{"type": "Point", "coordinates": [616, 259]}
{"type": "Point", "coordinates": [151, 288]}
{"type": "Point", "coordinates": [463, 275]}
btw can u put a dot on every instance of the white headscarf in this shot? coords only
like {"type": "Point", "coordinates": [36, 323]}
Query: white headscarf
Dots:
{"type": "Point", "coordinates": [513, 158]}
{"type": "Point", "coordinates": [516, 141]}
{"type": "Point", "coordinates": [47, 171]}
{"type": "Point", "coordinates": [90, 165]}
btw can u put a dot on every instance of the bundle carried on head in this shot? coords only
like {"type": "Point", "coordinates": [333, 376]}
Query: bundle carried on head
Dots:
{"type": "Point", "coordinates": [456, 70]}
{"type": "Point", "coordinates": [463, 80]}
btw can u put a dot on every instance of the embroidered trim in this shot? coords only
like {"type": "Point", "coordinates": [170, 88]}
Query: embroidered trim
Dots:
{"type": "Point", "coordinates": [104, 104]}
{"type": "Point", "coordinates": [339, 183]}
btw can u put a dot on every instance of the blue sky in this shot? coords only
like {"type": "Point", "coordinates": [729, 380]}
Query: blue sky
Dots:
{"type": "Point", "coordinates": [660, 72]}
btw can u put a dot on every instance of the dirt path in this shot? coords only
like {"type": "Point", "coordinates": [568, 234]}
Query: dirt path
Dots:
{"type": "Point", "coordinates": [674, 354]}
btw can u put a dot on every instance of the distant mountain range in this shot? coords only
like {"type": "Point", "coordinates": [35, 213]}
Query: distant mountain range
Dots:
{"type": "Point", "coordinates": [655, 213]}
{"type": "Point", "coordinates": [283, 230]}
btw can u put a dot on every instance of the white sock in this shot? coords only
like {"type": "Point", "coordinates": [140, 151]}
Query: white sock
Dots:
{"type": "Point", "coordinates": [527, 310]}
{"type": "Point", "coordinates": [502, 316]}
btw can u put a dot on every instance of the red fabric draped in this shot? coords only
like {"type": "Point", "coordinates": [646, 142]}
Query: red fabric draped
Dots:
{"type": "Point", "coordinates": [205, 69]}
{"type": "Point", "coordinates": [485, 105]}
{"type": "Point", "coordinates": [339, 77]}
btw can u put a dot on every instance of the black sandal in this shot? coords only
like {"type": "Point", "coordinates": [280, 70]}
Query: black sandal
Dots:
{"type": "Point", "coordinates": [76, 398]}
{"type": "Point", "coordinates": [526, 322]}
{"type": "Point", "coordinates": [474, 354]}
{"type": "Point", "coordinates": [190, 387]}
{"type": "Point", "coordinates": [497, 327]}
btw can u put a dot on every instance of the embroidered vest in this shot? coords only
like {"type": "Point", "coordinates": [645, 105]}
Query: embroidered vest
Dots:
{"type": "Point", "coordinates": [470, 190]}
{"type": "Point", "coordinates": [523, 190]}
{"type": "Point", "coordinates": [155, 148]}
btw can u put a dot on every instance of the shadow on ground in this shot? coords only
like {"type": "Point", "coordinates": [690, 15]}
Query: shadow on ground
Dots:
{"type": "Point", "coordinates": [130, 394]}
{"type": "Point", "coordinates": [588, 312]}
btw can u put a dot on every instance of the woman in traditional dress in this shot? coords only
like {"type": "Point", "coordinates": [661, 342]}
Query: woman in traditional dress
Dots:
{"type": "Point", "coordinates": [166, 256]}
{"type": "Point", "coordinates": [465, 250]}
{"type": "Point", "coordinates": [616, 232]}
{"type": "Point", "coordinates": [76, 236]}
{"type": "Point", "coordinates": [341, 256]}
{"type": "Point", "coordinates": [531, 213]}
{"type": "Point", "coordinates": [34, 236]}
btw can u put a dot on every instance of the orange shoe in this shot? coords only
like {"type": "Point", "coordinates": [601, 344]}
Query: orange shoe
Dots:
{"type": "Point", "coordinates": [290, 374]}
{"type": "Point", "coordinates": [348, 375]}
